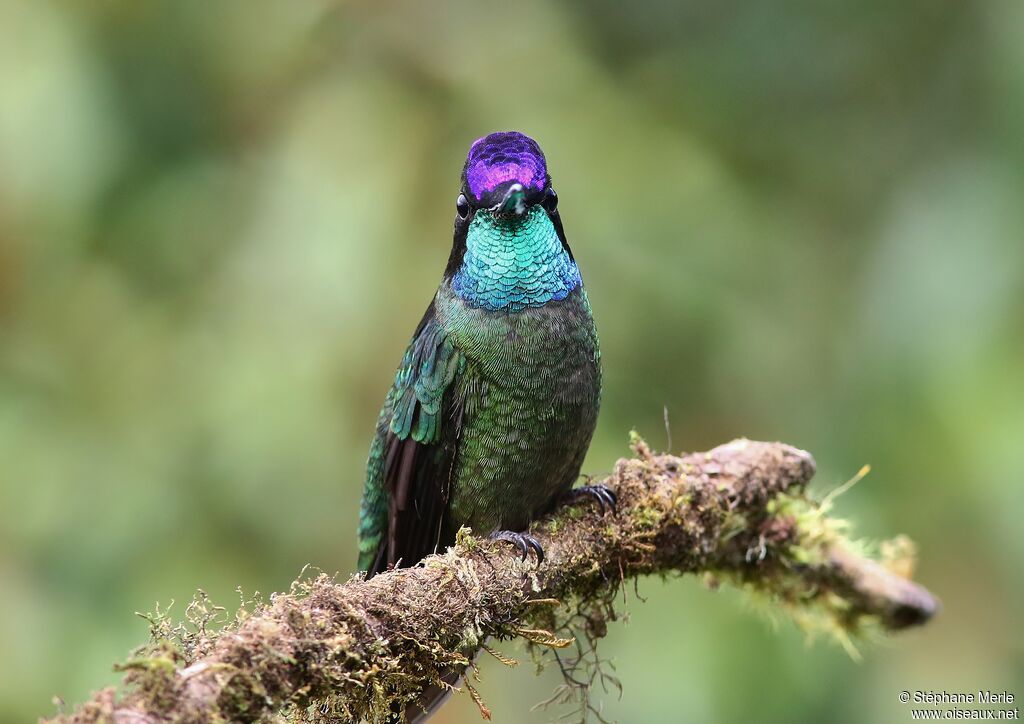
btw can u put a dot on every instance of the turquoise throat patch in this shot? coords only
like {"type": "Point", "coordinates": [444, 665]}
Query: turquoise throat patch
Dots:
{"type": "Point", "coordinates": [512, 263]}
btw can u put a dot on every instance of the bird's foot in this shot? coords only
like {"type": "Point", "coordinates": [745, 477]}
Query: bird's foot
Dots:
{"type": "Point", "coordinates": [606, 499]}
{"type": "Point", "coordinates": [524, 543]}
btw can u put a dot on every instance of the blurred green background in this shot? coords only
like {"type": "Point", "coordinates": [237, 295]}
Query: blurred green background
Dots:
{"type": "Point", "coordinates": [221, 221]}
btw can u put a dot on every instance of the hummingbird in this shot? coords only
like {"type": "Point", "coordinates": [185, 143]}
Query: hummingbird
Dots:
{"type": "Point", "coordinates": [496, 398]}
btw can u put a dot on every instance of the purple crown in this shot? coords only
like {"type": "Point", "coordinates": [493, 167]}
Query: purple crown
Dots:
{"type": "Point", "coordinates": [501, 157]}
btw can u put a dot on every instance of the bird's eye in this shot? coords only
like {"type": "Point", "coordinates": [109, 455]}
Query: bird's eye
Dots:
{"type": "Point", "coordinates": [551, 200]}
{"type": "Point", "coordinates": [462, 206]}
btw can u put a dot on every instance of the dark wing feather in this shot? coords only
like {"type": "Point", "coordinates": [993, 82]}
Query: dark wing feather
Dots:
{"type": "Point", "coordinates": [413, 455]}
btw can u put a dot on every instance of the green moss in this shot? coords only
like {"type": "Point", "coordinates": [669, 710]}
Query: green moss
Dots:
{"type": "Point", "coordinates": [153, 678]}
{"type": "Point", "coordinates": [804, 535]}
{"type": "Point", "coordinates": [647, 517]}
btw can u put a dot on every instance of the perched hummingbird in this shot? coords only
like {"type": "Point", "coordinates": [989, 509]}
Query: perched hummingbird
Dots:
{"type": "Point", "coordinates": [496, 398]}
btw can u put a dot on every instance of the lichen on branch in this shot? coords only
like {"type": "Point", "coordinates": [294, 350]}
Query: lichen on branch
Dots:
{"type": "Point", "coordinates": [354, 650]}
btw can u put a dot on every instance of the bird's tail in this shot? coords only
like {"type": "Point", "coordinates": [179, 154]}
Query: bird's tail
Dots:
{"type": "Point", "coordinates": [432, 697]}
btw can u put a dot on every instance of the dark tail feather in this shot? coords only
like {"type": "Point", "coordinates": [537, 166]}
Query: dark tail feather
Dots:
{"type": "Point", "coordinates": [432, 698]}
{"type": "Point", "coordinates": [428, 702]}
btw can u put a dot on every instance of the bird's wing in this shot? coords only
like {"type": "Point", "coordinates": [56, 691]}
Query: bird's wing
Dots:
{"type": "Point", "coordinates": [413, 454]}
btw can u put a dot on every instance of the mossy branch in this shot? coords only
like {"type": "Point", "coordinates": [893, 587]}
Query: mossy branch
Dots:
{"type": "Point", "coordinates": [738, 513]}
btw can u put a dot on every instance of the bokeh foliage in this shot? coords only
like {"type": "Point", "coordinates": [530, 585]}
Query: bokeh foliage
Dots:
{"type": "Point", "coordinates": [220, 221]}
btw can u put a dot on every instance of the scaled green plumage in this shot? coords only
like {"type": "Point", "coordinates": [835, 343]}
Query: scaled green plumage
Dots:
{"type": "Point", "coordinates": [497, 396]}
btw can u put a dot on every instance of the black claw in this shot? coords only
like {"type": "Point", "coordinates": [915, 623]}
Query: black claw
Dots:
{"type": "Point", "coordinates": [606, 499]}
{"type": "Point", "coordinates": [523, 542]}
{"type": "Point", "coordinates": [537, 549]}
{"type": "Point", "coordinates": [610, 498]}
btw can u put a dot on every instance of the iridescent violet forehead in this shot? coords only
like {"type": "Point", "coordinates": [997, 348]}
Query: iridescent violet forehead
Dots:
{"type": "Point", "coordinates": [501, 157]}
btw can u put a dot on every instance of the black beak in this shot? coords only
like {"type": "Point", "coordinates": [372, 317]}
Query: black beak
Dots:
{"type": "Point", "coordinates": [513, 202]}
